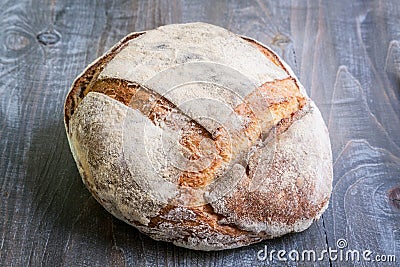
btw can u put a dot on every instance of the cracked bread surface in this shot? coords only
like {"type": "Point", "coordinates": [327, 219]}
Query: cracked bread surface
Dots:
{"type": "Point", "coordinates": [247, 174]}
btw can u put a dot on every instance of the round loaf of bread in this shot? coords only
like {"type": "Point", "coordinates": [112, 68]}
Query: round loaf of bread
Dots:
{"type": "Point", "coordinates": [200, 137]}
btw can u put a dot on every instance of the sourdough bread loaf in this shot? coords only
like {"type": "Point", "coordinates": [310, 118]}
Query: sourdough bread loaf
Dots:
{"type": "Point", "coordinates": [200, 137]}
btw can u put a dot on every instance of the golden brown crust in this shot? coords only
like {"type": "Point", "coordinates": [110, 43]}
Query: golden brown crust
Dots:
{"type": "Point", "coordinates": [204, 215]}
{"type": "Point", "coordinates": [286, 205]}
{"type": "Point", "coordinates": [281, 99]}
{"type": "Point", "coordinates": [76, 93]}
{"type": "Point", "coordinates": [268, 110]}
{"type": "Point", "coordinates": [161, 111]}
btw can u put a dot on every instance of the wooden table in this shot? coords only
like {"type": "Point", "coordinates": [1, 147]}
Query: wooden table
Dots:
{"type": "Point", "coordinates": [346, 53]}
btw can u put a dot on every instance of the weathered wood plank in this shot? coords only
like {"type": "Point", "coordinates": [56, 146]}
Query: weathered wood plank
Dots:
{"type": "Point", "coordinates": [362, 115]}
{"type": "Point", "coordinates": [346, 54]}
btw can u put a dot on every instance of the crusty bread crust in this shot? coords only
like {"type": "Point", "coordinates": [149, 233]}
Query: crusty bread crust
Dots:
{"type": "Point", "coordinates": [258, 179]}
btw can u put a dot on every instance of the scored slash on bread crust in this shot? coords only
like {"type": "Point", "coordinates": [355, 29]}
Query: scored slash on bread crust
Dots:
{"type": "Point", "coordinates": [290, 192]}
{"type": "Point", "coordinates": [92, 72]}
{"type": "Point", "coordinates": [282, 98]}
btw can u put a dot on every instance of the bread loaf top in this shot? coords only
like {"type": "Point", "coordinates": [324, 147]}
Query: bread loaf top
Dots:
{"type": "Point", "coordinates": [203, 130]}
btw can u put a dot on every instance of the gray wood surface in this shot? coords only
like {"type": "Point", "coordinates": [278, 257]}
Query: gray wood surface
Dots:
{"type": "Point", "coordinates": [346, 53]}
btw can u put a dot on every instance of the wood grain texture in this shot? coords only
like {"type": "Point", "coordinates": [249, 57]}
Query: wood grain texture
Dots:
{"type": "Point", "coordinates": [346, 53]}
